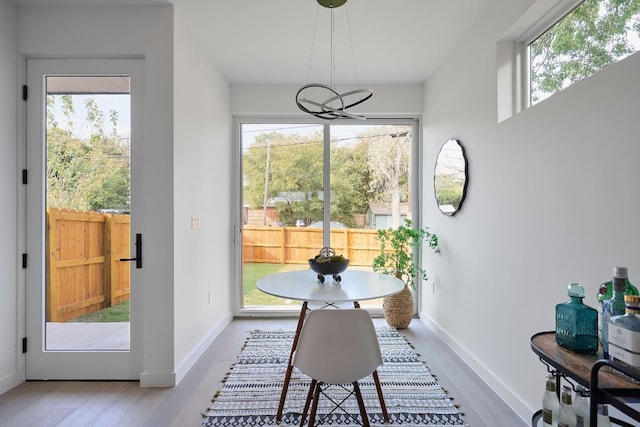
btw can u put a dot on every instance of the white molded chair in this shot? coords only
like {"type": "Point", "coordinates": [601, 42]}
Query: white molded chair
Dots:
{"type": "Point", "coordinates": [336, 347]}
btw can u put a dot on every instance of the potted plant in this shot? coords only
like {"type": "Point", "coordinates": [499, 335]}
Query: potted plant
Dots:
{"type": "Point", "coordinates": [396, 259]}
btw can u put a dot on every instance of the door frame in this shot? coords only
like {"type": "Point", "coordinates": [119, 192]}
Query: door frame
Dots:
{"type": "Point", "coordinates": [40, 364]}
{"type": "Point", "coordinates": [415, 191]}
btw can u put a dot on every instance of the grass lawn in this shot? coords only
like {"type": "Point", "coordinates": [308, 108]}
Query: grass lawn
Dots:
{"type": "Point", "coordinates": [250, 275]}
{"type": "Point", "coordinates": [117, 313]}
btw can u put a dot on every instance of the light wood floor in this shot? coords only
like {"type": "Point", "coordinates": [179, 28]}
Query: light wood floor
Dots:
{"type": "Point", "coordinates": [124, 404]}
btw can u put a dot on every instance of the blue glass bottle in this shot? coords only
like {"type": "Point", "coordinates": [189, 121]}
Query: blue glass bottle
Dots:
{"type": "Point", "coordinates": [577, 323]}
{"type": "Point", "coordinates": [613, 306]}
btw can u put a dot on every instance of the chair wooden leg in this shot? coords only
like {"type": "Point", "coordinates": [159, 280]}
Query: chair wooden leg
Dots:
{"type": "Point", "coordinates": [305, 411]}
{"type": "Point", "coordinates": [363, 411]}
{"type": "Point", "coordinates": [287, 377]}
{"type": "Point", "coordinates": [383, 406]}
{"type": "Point", "coordinates": [314, 407]}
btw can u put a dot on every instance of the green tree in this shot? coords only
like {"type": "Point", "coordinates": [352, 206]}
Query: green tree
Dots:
{"type": "Point", "coordinates": [67, 110]}
{"type": "Point", "coordinates": [351, 180]}
{"type": "Point", "coordinates": [85, 174]}
{"type": "Point", "coordinates": [388, 155]}
{"type": "Point", "coordinates": [449, 190]}
{"type": "Point", "coordinates": [95, 119]}
{"type": "Point", "coordinates": [287, 171]}
{"type": "Point", "coordinates": [67, 170]}
{"type": "Point", "coordinates": [593, 35]}
{"type": "Point", "coordinates": [375, 168]}
{"type": "Point", "coordinates": [294, 165]}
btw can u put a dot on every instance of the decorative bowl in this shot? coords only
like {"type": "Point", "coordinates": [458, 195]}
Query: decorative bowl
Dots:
{"type": "Point", "coordinates": [328, 268]}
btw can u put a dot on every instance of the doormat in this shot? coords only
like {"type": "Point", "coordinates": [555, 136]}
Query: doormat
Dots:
{"type": "Point", "coordinates": [251, 392]}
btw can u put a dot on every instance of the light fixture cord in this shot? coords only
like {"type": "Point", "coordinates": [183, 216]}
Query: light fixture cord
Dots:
{"type": "Point", "coordinates": [333, 50]}
{"type": "Point", "coordinates": [333, 56]}
{"type": "Point", "coordinates": [313, 43]}
{"type": "Point", "coordinates": [353, 51]}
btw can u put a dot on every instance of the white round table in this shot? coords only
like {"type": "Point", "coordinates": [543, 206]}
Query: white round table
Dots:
{"type": "Point", "coordinates": [355, 286]}
{"type": "Point", "coordinates": [305, 286]}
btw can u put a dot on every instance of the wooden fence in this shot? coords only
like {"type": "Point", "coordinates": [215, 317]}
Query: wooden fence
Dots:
{"type": "Point", "coordinates": [292, 245]}
{"type": "Point", "coordinates": [84, 273]}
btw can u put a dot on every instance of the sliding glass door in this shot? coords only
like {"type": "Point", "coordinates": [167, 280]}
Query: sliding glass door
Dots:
{"type": "Point", "coordinates": [288, 216]}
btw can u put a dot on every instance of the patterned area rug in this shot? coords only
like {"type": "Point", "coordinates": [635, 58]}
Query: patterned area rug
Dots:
{"type": "Point", "coordinates": [250, 394]}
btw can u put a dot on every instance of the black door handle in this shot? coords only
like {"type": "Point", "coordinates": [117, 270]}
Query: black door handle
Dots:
{"type": "Point", "coordinates": [138, 258]}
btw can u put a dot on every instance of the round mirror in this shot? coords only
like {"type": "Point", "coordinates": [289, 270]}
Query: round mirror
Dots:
{"type": "Point", "coordinates": [450, 177]}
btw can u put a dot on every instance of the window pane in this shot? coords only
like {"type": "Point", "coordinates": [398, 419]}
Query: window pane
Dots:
{"type": "Point", "coordinates": [593, 35]}
{"type": "Point", "coordinates": [283, 197]}
{"type": "Point", "coordinates": [282, 194]}
{"type": "Point", "coordinates": [88, 175]}
{"type": "Point", "coordinates": [370, 176]}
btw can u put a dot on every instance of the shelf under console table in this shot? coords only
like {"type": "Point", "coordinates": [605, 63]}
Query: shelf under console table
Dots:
{"type": "Point", "coordinates": [610, 382]}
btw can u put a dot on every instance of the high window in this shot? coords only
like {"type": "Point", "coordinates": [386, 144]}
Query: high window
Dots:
{"type": "Point", "coordinates": [591, 36]}
{"type": "Point", "coordinates": [305, 186]}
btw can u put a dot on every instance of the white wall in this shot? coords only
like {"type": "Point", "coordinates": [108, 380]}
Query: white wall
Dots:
{"type": "Point", "coordinates": [145, 32]}
{"type": "Point", "coordinates": [552, 199]}
{"type": "Point", "coordinates": [261, 100]}
{"type": "Point", "coordinates": [9, 299]}
{"type": "Point", "coordinates": [186, 172]}
{"type": "Point", "coordinates": [202, 188]}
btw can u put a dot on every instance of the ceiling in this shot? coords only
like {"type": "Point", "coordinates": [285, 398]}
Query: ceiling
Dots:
{"type": "Point", "coordinates": [272, 42]}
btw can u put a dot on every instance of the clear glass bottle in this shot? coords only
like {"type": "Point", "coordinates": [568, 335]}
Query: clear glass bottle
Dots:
{"type": "Point", "coordinates": [577, 323]}
{"type": "Point", "coordinates": [550, 403]}
{"type": "Point", "coordinates": [581, 405]}
{"type": "Point", "coordinates": [613, 306]}
{"type": "Point", "coordinates": [567, 417]}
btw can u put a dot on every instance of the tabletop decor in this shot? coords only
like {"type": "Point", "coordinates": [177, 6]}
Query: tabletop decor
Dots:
{"type": "Point", "coordinates": [396, 258]}
{"type": "Point", "coordinates": [327, 263]}
{"type": "Point", "coordinates": [250, 393]}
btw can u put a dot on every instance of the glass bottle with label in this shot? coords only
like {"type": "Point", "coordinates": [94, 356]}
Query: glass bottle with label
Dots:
{"type": "Point", "coordinates": [567, 416]}
{"type": "Point", "coordinates": [550, 403]}
{"type": "Point", "coordinates": [631, 319]}
{"type": "Point", "coordinates": [581, 405]}
{"type": "Point", "coordinates": [614, 306]}
{"type": "Point", "coordinates": [624, 333]}
{"type": "Point", "coordinates": [577, 323]}
{"type": "Point", "coordinates": [605, 291]}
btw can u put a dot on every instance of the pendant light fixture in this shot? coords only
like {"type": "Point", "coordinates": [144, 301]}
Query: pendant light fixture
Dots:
{"type": "Point", "coordinates": [324, 101]}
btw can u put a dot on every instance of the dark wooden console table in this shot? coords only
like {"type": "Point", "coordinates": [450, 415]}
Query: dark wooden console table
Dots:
{"type": "Point", "coordinates": [610, 382]}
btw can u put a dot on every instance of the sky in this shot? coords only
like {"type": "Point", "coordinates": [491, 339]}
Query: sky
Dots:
{"type": "Point", "coordinates": [105, 103]}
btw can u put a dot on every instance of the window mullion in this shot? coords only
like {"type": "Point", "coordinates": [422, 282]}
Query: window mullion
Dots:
{"type": "Point", "coordinates": [326, 183]}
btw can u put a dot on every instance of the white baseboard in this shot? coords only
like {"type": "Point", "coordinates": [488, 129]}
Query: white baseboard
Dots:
{"type": "Point", "coordinates": [10, 381]}
{"type": "Point", "coordinates": [157, 379]}
{"type": "Point", "coordinates": [509, 396]}
{"type": "Point", "coordinates": [199, 350]}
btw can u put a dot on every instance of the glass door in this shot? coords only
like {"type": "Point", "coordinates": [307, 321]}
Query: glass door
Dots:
{"type": "Point", "coordinates": [79, 209]}
{"type": "Point", "coordinates": [283, 195]}
{"type": "Point", "coordinates": [288, 216]}
{"type": "Point", "coordinates": [370, 179]}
